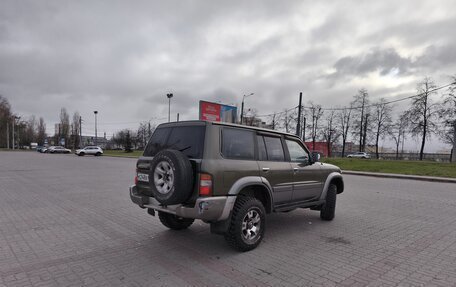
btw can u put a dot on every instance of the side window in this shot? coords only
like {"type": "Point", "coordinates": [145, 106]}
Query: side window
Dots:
{"type": "Point", "coordinates": [274, 148]}
{"type": "Point", "coordinates": [237, 144]}
{"type": "Point", "coordinates": [297, 152]}
{"type": "Point", "coordinates": [262, 155]}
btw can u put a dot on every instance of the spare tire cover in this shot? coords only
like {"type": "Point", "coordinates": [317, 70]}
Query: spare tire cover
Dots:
{"type": "Point", "coordinates": [172, 177]}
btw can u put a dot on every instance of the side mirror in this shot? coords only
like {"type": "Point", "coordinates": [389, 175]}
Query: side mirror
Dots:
{"type": "Point", "coordinates": [315, 156]}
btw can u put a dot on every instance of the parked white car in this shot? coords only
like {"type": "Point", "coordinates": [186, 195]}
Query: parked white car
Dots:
{"type": "Point", "coordinates": [57, 149]}
{"type": "Point", "coordinates": [359, 155]}
{"type": "Point", "coordinates": [90, 150]}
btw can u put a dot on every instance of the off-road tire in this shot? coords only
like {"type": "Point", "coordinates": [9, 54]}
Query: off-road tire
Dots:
{"type": "Point", "coordinates": [179, 176]}
{"type": "Point", "coordinates": [174, 222]}
{"type": "Point", "coordinates": [328, 209]}
{"type": "Point", "coordinates": [235, 236]}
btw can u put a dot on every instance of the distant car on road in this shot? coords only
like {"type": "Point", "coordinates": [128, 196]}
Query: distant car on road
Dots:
{"type": "Point", "coordinates": [41, 149]}
{"type": "Point", "coordinates": [57, 149]}
{"type": "Point", "coordinates": [92, 150]}
{"type": "Point", "coordinates": [359, 155]}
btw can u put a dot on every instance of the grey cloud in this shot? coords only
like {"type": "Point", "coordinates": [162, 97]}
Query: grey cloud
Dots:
{"type": "Point", "coordinates": [121, 57]}
{"type": "Point", "coordinates": [436, 57]}
{"type": "Point", "coordinates": [383, 61]}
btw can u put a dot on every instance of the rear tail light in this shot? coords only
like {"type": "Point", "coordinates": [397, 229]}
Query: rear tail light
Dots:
{"type": "Point", "coordinates": [205, 184]}
{"type": "Point", "coordinates": [136, 177]}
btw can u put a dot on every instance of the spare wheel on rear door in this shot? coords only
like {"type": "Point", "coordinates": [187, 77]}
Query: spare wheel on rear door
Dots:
{"type": "Point", "coordinates": [172, 177]}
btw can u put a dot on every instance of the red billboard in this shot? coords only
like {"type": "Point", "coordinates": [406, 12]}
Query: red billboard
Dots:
{"type": "Point", "coordinates": [217, 112]}
{"type": "Point", "coordinates": [209, 111]}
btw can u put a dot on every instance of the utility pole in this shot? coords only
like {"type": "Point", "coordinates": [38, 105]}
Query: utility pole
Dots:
{"type": "Point", "coordinates": [177, 116]}
{"type": "Point", "coordinates": [242, 106]}
{"type": "Point", "coordinates": [298, 128]}
{"type": "Point", "coordinates": [80, 131]}
{"type": "Point", "coordinates": [96, 140]}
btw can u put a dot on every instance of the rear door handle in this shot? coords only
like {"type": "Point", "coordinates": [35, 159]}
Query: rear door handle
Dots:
{"type": "Point", "coordinates": [295, 169]}
{"type": "Point", "coordinates": [265, 169]}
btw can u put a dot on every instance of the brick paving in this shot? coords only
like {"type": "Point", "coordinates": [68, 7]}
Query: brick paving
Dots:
{"type": "Point", "coordinates": [68, 221]}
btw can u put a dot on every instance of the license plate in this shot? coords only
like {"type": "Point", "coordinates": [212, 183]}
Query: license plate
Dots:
{"type": "Point", "coordinates": [143, 177]}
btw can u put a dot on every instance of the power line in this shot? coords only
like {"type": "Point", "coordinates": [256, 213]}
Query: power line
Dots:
{"type": "Point", "coordinates": [360, 107]}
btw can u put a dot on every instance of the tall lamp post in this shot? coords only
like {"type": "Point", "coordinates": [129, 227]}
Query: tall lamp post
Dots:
{"type": "Point", "coordinates": [14, 134]}
{"type": "Point", "coordinates": [242, 106]}
{"type": "Point", "coordinates": [96, 141]}
{"type": "Point", "coordinates": [169, 106]}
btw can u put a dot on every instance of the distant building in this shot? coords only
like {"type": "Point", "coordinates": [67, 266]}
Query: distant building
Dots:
{"type": "Point", "coordinates": [255, 122]}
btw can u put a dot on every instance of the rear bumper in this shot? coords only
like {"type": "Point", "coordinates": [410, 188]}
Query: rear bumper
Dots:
{"type": "Point", "coordinates": [210, 209]}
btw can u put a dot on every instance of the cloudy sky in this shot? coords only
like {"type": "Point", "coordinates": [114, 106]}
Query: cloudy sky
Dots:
{"type": "Point", "coordinates": [122, 57]}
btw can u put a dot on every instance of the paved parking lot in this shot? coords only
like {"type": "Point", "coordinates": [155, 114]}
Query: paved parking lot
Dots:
{"type": "Point", "coordinates": [68, 221]}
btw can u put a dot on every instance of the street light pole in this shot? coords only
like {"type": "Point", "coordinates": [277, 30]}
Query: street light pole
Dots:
{"type": "Point", "coordinates": [14, 134]}
{"type": "Point", "coordinates": [242, 106]}
{"type": "Point", "coordinates": [169, 106]}
{"type": "Point", "coordinates": [96, 141]}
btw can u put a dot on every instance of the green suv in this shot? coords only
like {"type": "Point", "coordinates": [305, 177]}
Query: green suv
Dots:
{"type": "Point", "coordinates": [230, 176]}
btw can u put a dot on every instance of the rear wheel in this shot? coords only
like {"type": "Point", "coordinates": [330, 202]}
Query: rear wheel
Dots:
{"type": "Point", "coordinates": [98, 154]}
{"type": "Point", "coordinates": [328, 209]}
{"type": "Point", "coordinates": [174, 222]}
{"type": "Point", "coordinates": [247, 224]}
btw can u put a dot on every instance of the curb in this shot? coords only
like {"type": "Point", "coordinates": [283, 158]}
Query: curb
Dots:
{"type": "Point", "coordinates": [401, 176]}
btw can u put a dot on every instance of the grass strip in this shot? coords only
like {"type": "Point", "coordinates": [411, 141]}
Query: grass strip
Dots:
{"type": "Point", "coordinates": [121, 153]}
{"type": "Point", "coordinates": [424, 168]}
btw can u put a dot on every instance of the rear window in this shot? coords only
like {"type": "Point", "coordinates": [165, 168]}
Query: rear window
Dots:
{"type": "Point", "coordinates": [187, 139]}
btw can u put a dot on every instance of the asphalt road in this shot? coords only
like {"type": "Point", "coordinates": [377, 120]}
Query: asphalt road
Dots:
{"type": "Point", "coordinates": [68, 221]}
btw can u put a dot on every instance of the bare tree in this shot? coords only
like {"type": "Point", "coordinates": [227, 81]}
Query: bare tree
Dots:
{"type": "Point", "coordinates": [315, 114]}
{"type": "Point", "coordinates": [75, 129]}
{"type": "Point", "coordinates": [361, 102]}
{"type": "Point", "coordinates": [5, 122]}
{"type": "Point", "coordinates": [330, 132]}
{"type": "Point", "coordinates": [142, 134]}
{"type": "Point", "coordinates": [288, 120]}
{"type": "Point", "coordinates": [397, 131]}
{"type": "Point", "coordinates": [344, 118]}
{"type": "Point", "coordinates": [423, 112]}
{"type": "Point", "coordinates": [382, 121]}
{"type": "Point", "coordinates": [64, 127]}
{"type": "Point", "coordinates": [29, 131]}
{"type": "Point", "coordinates": [41, 131]}
{"type": "Point", "coordinates": [274, 120]}
{"type": "Point", "coordinates": [447, 115]}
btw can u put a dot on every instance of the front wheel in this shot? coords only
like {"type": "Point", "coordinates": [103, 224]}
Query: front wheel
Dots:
{"type": "Point", "coordinates": [247, 224]}
{"type": "Point", "coordinates": [174, 222]}
{"type": "Point", "coordinates": [328, 210]}
{"type": "Point", "coordinates": [81, 154]}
